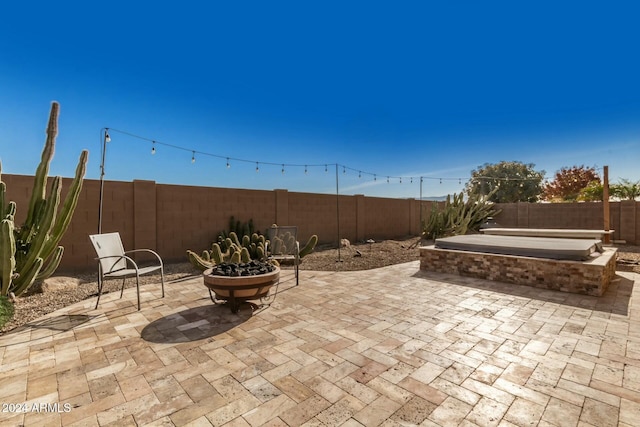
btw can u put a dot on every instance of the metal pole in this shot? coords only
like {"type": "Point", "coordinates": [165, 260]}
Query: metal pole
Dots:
{"type": "Point", "coordinates": [421, 230]}
{"type": "Point", "coordinates": [104, 141]}
{"type": "Point", "coordinates": [338, 212]}
{"type": "Point", "coordinates": [605, 204]}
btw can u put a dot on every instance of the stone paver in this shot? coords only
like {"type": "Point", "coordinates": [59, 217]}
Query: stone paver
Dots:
{"type": "Point", "coordinates": [388, 347]}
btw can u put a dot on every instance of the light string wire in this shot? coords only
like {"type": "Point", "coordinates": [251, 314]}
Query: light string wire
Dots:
{"type": "Point", "coordinates": [306, 166]}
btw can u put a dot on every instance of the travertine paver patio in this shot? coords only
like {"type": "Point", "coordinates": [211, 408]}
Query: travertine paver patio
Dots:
{"type": "Point", "coordinates": [393, 346]}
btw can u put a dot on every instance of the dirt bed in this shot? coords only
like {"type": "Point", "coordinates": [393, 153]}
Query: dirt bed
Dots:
{"type": "Point", "coordinates": [356, 256]}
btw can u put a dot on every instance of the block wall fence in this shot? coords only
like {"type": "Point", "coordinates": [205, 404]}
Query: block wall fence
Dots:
{"type": "Point", "coordinates": [173, 218]}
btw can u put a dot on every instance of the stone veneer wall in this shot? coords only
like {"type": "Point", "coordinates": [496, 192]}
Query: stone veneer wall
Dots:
{"type": "Point", "coordinates": [590, 277]}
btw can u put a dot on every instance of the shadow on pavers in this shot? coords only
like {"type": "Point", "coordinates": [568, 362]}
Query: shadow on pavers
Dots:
{"type": "Point", "coordinates": [615, 299]}
{"type": "Point", "coordinates": [196, 323]}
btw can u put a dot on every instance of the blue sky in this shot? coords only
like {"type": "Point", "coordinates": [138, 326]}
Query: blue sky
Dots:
{"type": "Point", "coordinates": [399, 89]}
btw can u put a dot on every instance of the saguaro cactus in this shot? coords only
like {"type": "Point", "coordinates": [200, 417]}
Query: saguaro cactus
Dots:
{"type": "Point", "coordinates": [37, 254]}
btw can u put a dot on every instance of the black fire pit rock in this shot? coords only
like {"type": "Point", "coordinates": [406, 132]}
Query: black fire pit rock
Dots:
{"type": "Point", "coordinates": [252, 268]}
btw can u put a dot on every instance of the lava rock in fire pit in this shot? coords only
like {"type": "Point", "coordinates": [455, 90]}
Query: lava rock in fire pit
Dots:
{"type": "Point", "coordinates": [252, 268]}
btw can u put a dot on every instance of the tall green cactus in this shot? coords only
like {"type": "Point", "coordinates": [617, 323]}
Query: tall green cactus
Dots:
{"type": "Point", "coordinates": [37, 254]}
{"type": "Point", "coordinates": [7, 255]}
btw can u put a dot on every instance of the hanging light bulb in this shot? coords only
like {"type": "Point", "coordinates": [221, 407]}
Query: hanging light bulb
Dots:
{"type": "Point", "coordinates": [305, 169]}
{"type": "Point", "coordinates": [375, 178]}
{"type": "Point", "coordinates": [459, 180]}
{"type": "Point", "coordinates": [440, 180]}
{"type": "Point", "coordinates": [228, 164]}
{"type": "Point", "coordinates": [344, 170]}
{"type": "Point", "coordinates": [400, 180]}
{"type": "Point", "coordinates": [359, 174]}
{"type": "Point", "coordinates": [283, 168]}
{"type": "Point", "coordinates": [257, 168]}
{"type": "Point", "coordinates": [411, 180]}
{"type": "Point", "coordinates": [325, 168]}
{"type": "Point", "coordinates": [107, 138]}
{"type": "Point", "coordinates": [387, 179]}
{"type": "Point", "coordinates": [193, 157]}
{"type": "Point", "coordinates": [153, 147]}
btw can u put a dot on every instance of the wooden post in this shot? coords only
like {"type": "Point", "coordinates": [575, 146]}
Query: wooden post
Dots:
{"type": "Point", "coordinates": [605, 203]}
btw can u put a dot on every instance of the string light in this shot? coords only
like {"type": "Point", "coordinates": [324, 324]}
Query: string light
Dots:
{"type": "Point", "coordinates": [496, 180]}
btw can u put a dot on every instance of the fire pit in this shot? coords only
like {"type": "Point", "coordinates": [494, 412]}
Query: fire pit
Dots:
{"type": "Point", "coordinates": [237, 283]}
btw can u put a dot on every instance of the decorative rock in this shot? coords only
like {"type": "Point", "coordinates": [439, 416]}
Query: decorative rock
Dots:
{"type": "Point", "coordinates": [59, 284]}
{"type": "Point", "coordinates": [252, 268]}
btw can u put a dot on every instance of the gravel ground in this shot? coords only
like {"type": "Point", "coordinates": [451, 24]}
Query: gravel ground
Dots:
{"type": "Point", "coordinates": [360, 256]}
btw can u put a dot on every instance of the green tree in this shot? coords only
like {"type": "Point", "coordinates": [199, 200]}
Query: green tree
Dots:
{"type": "Point", "coordinates": [593, 192]}
{"type": "Point", "coordinates": [506, 182]}
{"type": "Point", "coordinates": [625, 189]}
{"type": "Point", "coordinates": [568, 182]}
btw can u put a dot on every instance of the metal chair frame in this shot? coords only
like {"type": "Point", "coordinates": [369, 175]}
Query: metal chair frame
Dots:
{"type": "Point", "coordinates": [113, 263]}
{"type": "Point", "coordinates": [290, 252]}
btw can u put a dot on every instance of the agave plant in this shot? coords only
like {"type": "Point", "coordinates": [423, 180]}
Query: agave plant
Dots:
{"type": "Point", "coordinates": [458, 216]}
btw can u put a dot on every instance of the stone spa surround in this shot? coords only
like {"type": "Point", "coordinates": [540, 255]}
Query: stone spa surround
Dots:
{"type": "Point", "coordinates": [590, 277]}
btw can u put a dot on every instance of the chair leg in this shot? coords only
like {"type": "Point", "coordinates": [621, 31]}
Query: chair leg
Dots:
{"type": "Point", "coordinates": [100, 282]}
{"type": "Point", "coordinates": [138, 290]}
{"type": "Point", "coordinates": [122, 288]}
{"type": "Point", "coordinates": [297, 274]}
{"type": "Point", "coordinates": [162, 280]}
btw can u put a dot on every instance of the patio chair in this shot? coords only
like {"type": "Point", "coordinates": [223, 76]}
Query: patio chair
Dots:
{"type": "Point", "coordinates": [113, 263]}
{"type": "Point", "coordinates": [283, 246]}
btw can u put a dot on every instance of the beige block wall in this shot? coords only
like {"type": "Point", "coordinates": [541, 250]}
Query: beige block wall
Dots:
{"type": "Point", "coordinates": [173, 218]}
{"type": "Point", "coordinates": [588, 215]}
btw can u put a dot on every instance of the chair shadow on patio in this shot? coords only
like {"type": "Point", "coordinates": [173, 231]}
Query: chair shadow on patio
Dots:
{"type": "Point", "coordinates": [196, 323]}
{"type": "Point", "coordinates": [63, 322]}
{"type": "Point", "coordinates": [615, 299]}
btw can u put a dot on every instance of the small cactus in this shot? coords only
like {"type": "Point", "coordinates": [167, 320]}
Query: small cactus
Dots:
{"type": "Point", "coordinates": [198, 262]}
{"type": "Point", "coordinates": [308, 248]}
{"type": "Point", "coordinates": [244, 255]}
{"type": "Point", "coordinates": [234, 238]}
{"type": "Point", "coordinates": [230, 249]}
{"type": "Point", "coordinates": [236, 258]}
{"type": "Point", "coordinates": [216, 254]}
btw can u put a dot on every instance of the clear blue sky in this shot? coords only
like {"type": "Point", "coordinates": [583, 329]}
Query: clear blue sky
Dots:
{"type": "Point", "coordinates": [407, 89]}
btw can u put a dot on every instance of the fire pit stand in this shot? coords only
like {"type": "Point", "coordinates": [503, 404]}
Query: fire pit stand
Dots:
{"type": "Point", "coordinates": [238, 289]}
